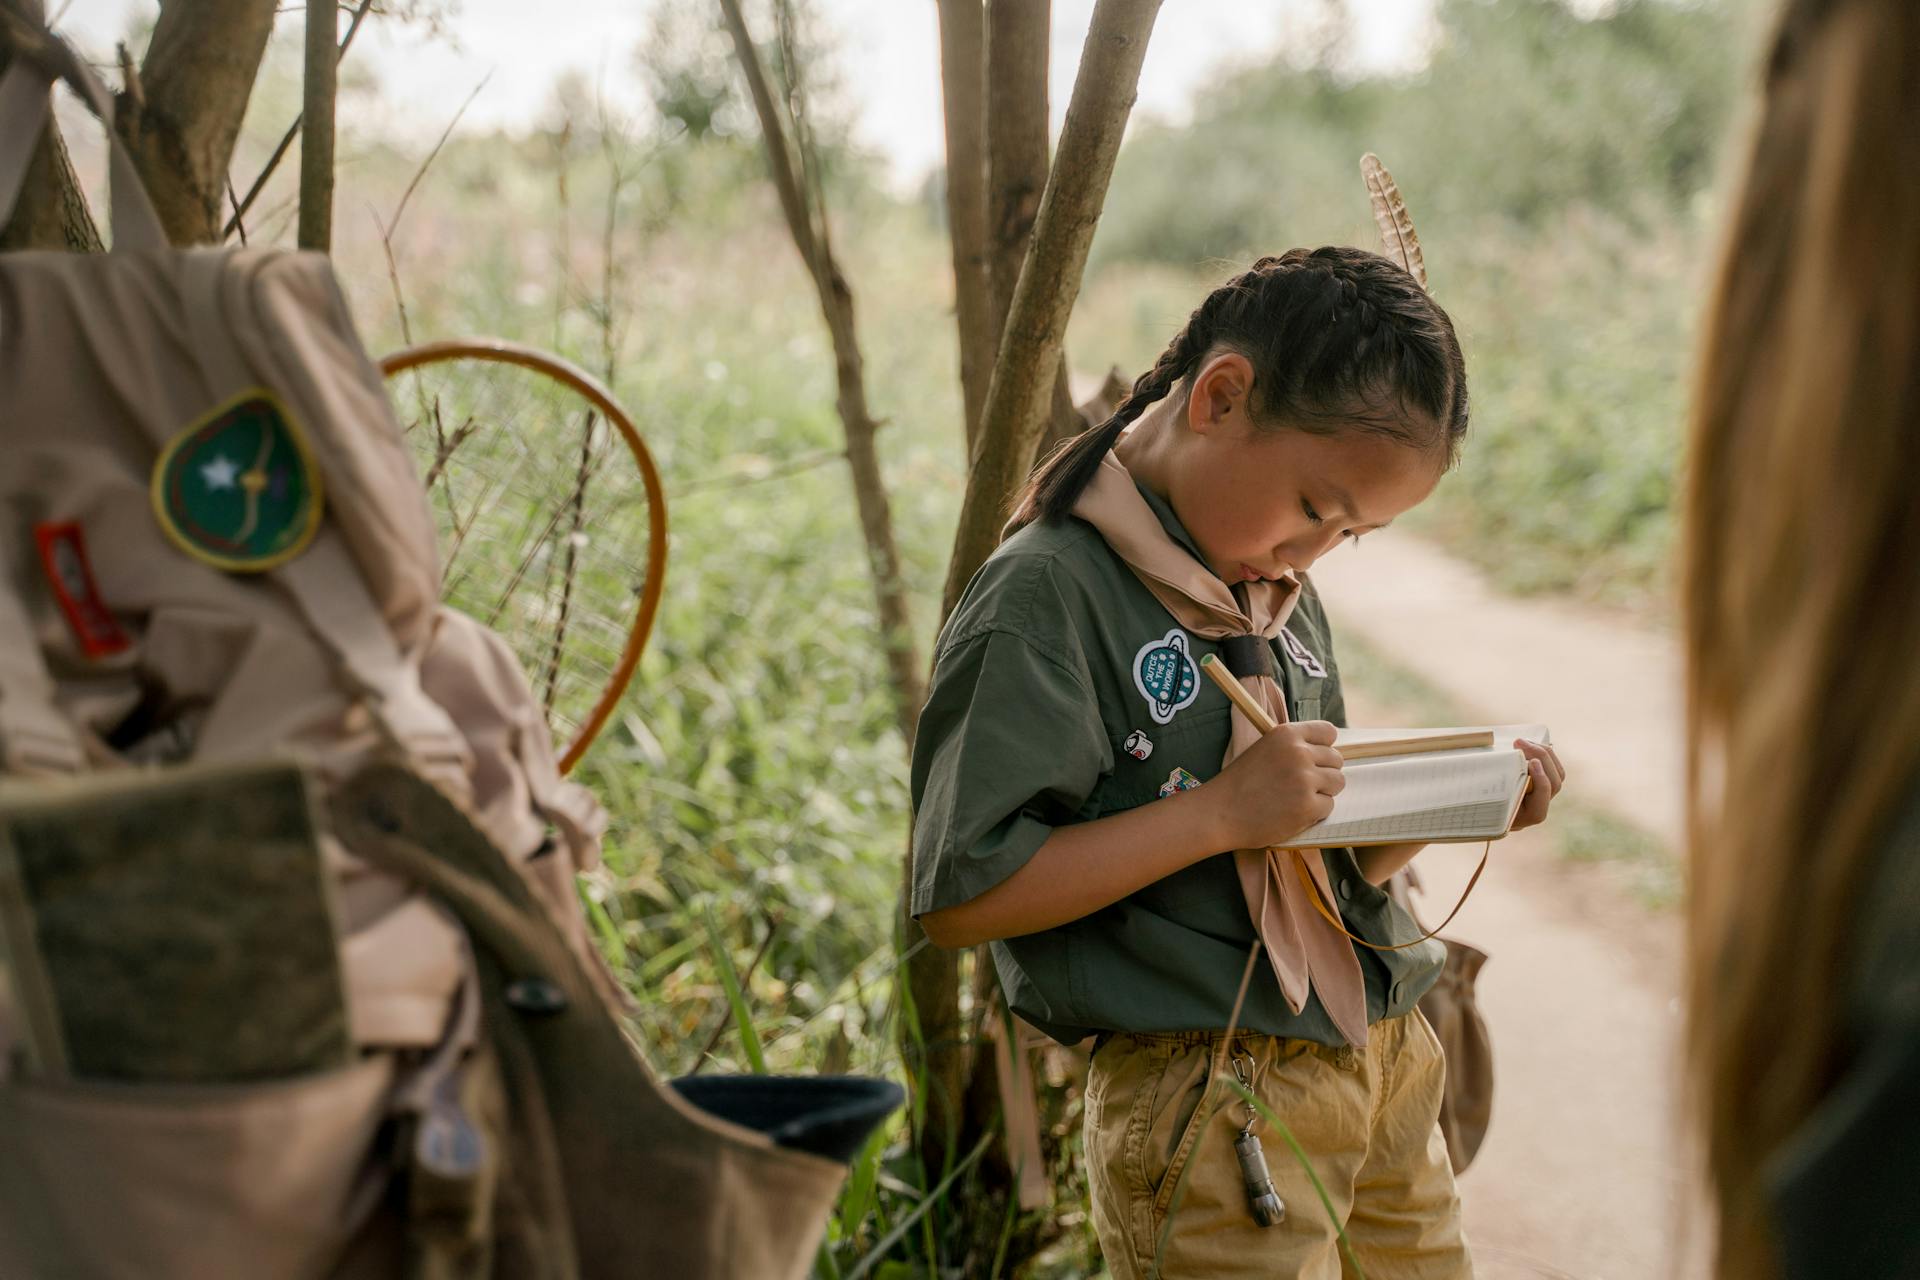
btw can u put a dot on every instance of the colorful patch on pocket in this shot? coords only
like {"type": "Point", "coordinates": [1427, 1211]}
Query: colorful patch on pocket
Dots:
{"type": "Point", "coordinates": [1137, 745]}
{"type": "Point", "coordinates": [238, 489]}
{"type": "Point", "coordinates": [1178, 780]}
{"type": "Point", "coordinates": [1164, 673]}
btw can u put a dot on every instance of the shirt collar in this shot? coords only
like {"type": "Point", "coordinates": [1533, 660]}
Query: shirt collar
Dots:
{"type": "Point", "coordinates": [1170, 522]}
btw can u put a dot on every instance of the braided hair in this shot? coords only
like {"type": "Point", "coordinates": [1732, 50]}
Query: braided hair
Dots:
{"type": "Point", "coordinates": [1339, 339]}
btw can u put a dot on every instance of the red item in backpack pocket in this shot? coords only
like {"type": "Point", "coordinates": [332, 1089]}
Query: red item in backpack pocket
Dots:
{"type": "Point", "coordinates": [63, 555]}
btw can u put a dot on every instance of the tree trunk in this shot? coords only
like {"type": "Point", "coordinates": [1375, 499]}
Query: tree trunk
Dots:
{"type": "Point", "coordinates": [1018, 34]}
{"type": "Point", "coordinates": [1019, 38]}
{"type": "Point", "coordinates": [1025, 381]}
{"type": "Point", "coordinates": [319, 92]}
{"type": "Point", "coordinates": [1027, 384]}
{"type": "Point", "coordinates": [810, 237]}
{"type": "Point", "coordinates": [181, 115]}
{"type": "Point", "coordinates": [963, 85]}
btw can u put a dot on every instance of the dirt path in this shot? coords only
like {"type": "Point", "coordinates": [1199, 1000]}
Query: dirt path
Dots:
{"type": "Point", "coordinates": [1581, 1175]}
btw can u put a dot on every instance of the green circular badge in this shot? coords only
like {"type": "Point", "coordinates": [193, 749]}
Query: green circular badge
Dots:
{"type": "Point", "coordinates": [238, 489]}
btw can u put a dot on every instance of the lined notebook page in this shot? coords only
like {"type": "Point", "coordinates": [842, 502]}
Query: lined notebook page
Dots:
{"type": "Point", "coordinates": [1441, 795]}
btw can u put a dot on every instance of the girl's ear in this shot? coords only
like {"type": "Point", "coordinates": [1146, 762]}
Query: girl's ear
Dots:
{"type": "Point", "coordinates": [1219, 395]}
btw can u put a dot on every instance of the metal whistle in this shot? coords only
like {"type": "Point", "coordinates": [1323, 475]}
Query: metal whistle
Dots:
{"type": "Point", "coordinates": [1262, 1200]}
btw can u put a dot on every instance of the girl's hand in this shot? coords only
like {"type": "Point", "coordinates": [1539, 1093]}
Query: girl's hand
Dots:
{"type": "Point", "coordinates": [1278, 787]}
{"type": "Point", "coordinates": [1548, 775]}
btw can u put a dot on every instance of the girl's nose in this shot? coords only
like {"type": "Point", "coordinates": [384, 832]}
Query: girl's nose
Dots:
{"type": "Point", "coordinates": [1302, 551]}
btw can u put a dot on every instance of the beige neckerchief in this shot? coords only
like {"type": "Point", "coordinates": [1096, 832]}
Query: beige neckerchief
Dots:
{"type": "Point", "coordinates": [1304, 948]}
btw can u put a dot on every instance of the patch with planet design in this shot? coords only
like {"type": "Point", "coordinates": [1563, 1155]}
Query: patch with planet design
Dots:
{"type": "Point", "coordinates": [1165, 675]}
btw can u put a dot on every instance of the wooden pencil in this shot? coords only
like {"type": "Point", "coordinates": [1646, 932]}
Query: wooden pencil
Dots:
{"type": "Point", "coordinates": [1237, 692]}
{"type": "Point", "coordinates": [1414, 746]}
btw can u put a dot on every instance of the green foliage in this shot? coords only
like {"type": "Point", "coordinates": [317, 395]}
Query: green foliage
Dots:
{"type": "Point", "coordinates": [1560, 170]}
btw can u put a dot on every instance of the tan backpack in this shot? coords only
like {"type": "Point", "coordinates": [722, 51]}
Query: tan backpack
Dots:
{"type": "Point", "coordinates": [270, 1004]}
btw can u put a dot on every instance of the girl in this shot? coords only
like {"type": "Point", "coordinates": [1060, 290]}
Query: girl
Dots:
{"type": "Point", "coordinates": [1073, 809]}
{"type": "Point", "coordinates": [1802, 627]}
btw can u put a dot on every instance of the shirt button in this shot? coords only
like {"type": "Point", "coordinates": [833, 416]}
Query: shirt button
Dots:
{"type": "Point", "coordinates": [1346, 890]}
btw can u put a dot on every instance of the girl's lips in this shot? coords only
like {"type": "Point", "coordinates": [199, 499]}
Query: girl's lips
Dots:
{"type": "Point", "coordinates": [1248, 575]}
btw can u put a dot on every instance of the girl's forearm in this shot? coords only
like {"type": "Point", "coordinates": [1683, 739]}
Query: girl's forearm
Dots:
{"type": "Point", "coordinates": [1083, 867]}
{"type": "Point", "coordinates": [1379, 862]}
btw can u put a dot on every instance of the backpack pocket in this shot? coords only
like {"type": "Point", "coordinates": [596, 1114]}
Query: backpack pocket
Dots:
{"type": "Point", "coordinates": [198, 1182]}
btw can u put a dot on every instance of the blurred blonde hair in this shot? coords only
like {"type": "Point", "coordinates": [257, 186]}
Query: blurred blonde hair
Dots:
{"type": "Point", "coordinates": [1801, 582]}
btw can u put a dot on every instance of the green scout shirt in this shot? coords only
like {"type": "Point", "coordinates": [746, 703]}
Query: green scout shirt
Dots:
{"type": "Point", "coordinates": [1041, 678]}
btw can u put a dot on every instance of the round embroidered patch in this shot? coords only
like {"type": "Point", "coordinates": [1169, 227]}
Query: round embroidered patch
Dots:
{"type": "Point", "coordinates": [239, 489]}
{"type": "Point", "coordinates": [1164, 673]}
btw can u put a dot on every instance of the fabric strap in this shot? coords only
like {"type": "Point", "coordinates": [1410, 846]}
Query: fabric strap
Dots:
{"type": "Point", "coordinates": [1248, 657]}
{"type": "Point", "coordinates": [35, 738]}
{"type": "Point", "coordinates": [1307, 949]}
{"type": "Point", "coordinates": [25, 108]}
{"type": "Point", "coordinates": [1333, 920]}
{"type": "Point", "coordinates": [324, 583]}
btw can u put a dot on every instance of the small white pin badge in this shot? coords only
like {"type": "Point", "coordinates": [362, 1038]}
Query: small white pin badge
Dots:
{"type": "Point", "coordinates": [1137, 745]}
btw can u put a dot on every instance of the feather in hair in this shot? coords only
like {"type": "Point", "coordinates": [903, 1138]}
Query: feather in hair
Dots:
{"type": "Point", "coordinates": [1396, 224]}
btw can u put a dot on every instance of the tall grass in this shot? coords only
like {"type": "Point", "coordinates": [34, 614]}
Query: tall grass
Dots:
{"type": "Point", "coordinates": [755, 777]}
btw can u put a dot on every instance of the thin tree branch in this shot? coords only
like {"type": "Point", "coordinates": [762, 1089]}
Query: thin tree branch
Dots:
{"type": "Point", "coordinates": [963, 72]}
{"type": "Point", "coordinates": [286, 139]}
{"type": "Point", "coordinates": [319, 93]}
{"type": "Point", "coordinates": [726, 1014]}
{"type": "Point", "coordinates": [392, 224]}
{"type": "Point", "coordinates": [233, 198]}
{"type": "Point", "coordinates": [811, 238]}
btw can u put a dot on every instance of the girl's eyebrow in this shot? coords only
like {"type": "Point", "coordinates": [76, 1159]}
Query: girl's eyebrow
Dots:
{"type": "Point", "coordinates": [1345, 501]}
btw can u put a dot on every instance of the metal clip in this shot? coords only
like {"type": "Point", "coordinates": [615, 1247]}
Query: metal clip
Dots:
{"type": "Point", "coordinates": [1262, 1200]}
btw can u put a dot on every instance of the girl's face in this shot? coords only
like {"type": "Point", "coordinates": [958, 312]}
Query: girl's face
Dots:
{"type": "Point", "coordinates": [1260, 503]}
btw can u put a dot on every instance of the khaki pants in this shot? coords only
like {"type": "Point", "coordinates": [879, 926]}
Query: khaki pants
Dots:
{"type": "Point", "coordinates": [1168, 1197]}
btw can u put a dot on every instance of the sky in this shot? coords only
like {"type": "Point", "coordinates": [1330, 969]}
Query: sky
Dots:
{"type": "Point", "coordinates": [890, 57]}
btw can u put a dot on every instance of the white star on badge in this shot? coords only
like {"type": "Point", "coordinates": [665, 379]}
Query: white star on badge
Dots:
{"type": "Point", "coordinates": [220, 473]}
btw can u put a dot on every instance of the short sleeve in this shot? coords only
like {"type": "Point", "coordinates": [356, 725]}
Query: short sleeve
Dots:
{"type": "Point", "coordinates": [1010, 745]}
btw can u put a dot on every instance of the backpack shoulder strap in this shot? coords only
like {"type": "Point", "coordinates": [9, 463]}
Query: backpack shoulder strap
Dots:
{"type": "Point", "coordinates": [324, 582]}
{"type": "Point", "coordinates": [35, 738]}
{"type": "Point", "coordinates": [24, 110]}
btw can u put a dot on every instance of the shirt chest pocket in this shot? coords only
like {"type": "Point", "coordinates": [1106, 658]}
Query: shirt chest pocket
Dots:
{"type": "Point", "coordinates": [1308, 681]}
{"type": "Point", "coordinates": [1160, 758]}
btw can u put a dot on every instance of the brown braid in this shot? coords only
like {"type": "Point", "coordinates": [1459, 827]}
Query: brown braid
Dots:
{"type": "Point", "coordinates": [1340, 340]}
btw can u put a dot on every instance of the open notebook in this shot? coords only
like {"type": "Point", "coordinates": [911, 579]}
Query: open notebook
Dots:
{"type": "Point", "coordinates": [1437, 796]}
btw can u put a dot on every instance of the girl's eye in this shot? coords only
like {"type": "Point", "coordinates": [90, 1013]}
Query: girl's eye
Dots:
{"type": "Point", "coordinates": [1313, 517]}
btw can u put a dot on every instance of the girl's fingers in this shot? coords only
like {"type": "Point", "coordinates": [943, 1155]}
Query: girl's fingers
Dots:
{"type": "Point", "coordinates": [1533, 809]}
{"type": "Point", "coordinates": [1326, 758]}
{"type": "Point", "coordinates": [1550, 759]}
{"type": "Point", "coordinates": [1553, 773]}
